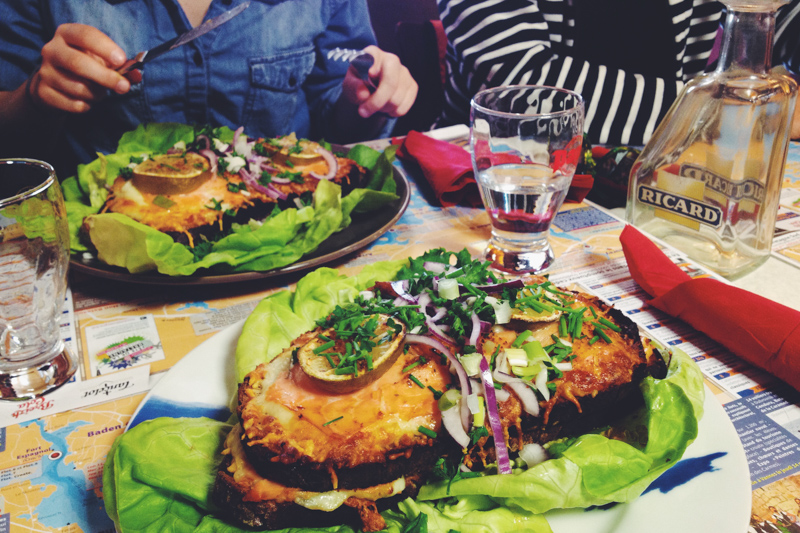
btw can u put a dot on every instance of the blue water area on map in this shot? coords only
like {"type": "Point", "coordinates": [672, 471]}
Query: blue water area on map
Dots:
{"type": "Point", "coordinates": [85, 510]}
{"type": "Point", "coordinates": [155, 407]}
{"type": "Point", "coordinates": [685, 471]}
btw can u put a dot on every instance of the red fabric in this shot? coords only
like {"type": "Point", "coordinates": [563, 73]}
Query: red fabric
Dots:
{"type": "Point", "coordinates": [760, 331]}
{"type": "Point", "coordinates": [448, 169]}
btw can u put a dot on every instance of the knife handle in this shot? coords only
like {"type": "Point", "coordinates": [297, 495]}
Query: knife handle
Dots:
{"type": "Point", "coordinates": [131, 64]}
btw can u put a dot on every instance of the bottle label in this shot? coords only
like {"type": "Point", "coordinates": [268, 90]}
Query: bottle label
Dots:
{"type": "Point", "coordinates": [691, 195]}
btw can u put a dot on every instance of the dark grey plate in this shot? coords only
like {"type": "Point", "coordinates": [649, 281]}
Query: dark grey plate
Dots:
{"type": "Point", "coordinates": [364, 229]}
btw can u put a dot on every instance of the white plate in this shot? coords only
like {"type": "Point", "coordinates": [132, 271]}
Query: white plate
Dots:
{"type": "Point", "coordinates": [708, 491]}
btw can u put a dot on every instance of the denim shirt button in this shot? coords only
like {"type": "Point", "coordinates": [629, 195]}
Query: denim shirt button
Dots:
{"type": "Point", "coordinates": [198, 58]}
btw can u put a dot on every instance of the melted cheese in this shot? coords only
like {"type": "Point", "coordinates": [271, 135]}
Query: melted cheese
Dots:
{"type": "Point", "coordinates": [258, 488]}
{"type": "Point", "coordinates": [291, 412]}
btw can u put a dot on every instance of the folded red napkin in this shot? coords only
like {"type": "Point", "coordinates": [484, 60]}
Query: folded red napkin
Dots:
{"type": "Point", "coordinates": [760, 331]}
{"type": "Point", "coordinates": [448, 169]}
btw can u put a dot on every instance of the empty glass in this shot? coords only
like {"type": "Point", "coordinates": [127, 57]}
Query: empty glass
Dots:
{"type": "Point", "coordinates": [34, 254]}
{"type": "Point", "coordinates": [526, 143]}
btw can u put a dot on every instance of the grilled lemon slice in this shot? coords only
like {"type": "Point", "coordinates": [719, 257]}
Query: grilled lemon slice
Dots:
{"type": "Point", "coordinates": [335, 368]}
{"type": "Point", "coordinates": [297, 152]}
{"type": "Point", "coordinates": [171, 173]}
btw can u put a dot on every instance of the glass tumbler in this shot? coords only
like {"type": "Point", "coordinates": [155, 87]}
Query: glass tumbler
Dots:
{"type": "Point", "coordinates": [34, 254]}
{"type": "Point", "coordinates": [526, 143]}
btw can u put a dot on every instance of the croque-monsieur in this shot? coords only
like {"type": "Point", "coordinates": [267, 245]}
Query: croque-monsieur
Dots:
{"type": "Point", "coordinates": [197, 192]}
{"type": "Point", "coordinates": [416, 380]}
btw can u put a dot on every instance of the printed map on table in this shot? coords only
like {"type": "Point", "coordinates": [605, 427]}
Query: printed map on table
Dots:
{"type": "Point", "coordinates": [786, 243]}
{"type": "Point", "coordinates": [51, 469]}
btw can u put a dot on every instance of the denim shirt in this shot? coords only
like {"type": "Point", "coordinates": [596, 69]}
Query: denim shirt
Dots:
{"type": "Point", "coordinates": [267, 69]}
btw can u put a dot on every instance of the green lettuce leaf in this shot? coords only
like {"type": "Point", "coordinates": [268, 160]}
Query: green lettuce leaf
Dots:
{"type": "Point", "coordinates": [280, 241]}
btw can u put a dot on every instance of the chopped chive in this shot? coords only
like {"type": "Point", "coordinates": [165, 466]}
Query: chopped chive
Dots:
{"type": "Point", "coordinates": [412, 365]}
{"type": "Point", "coordinates": [497, 385]}
{"type": "Point", "coordinates": [332, 421]}
{"type": "Point", "coordinates": [594, 314]}
{"type": "Point", "coordinates": [610, 324]}
{"type": "Point", "coordinates": [413, 378]}
{"type": "Point", "coordinates": [428, 432]}
{"type": "Point", "coordinates": [330, 360]}
{"type": "Point", "coordinates": [593, 340]}
{"type": "Point", "coordinates": [436, 393]}
{"type": "Point", "coordinates": [521, 338]}
{"type": "Point", "coordinates": [598, 325]}
{"type": "Point", "coordinates": [577, 326]}
{"type": "Point", "coordinates": [322, 348]}
{"type": "Point", "coordinates": [562, 326]}
{"type": "Point", "coordinates": [603, 335]}
{"type": "Point", "coordinates": [344, 370]}
{"type": "Point", "coordinates": [368, 358]}
{"type": "Point", "coordinates": [323, 337]}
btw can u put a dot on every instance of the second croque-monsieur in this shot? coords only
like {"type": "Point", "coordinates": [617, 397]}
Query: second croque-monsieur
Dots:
{"type": "Point", "coordinates": [197, 192]}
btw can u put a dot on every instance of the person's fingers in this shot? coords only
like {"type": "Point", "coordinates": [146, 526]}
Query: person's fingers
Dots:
{"type": "Point", "coordinates": [77, 69]}
{"type": "Point", "coordinates": [396, 90]}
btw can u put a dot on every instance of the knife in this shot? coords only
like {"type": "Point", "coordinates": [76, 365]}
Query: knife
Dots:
{"type": "Point", "coordinates": [141, 58]}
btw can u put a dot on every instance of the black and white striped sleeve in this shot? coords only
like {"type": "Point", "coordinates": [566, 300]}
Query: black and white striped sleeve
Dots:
{"type": "Point", "coordinates": [503, 42]}
{"type": "Point", "coordinates": [786, 49]}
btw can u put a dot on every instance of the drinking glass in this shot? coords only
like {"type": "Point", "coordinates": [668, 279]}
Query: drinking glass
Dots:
{"type": "Point", "coordinates": [526, 142]}
{"type": "Point", "coordinates": [34, 254]}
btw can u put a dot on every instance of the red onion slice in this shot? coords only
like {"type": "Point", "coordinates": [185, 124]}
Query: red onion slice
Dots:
{"type": "Point", "coordinates": [451, 419]}
{"type": "Point", "coordinates": [463, 380]}
{"type": "Point", "coordinates": [476, 330]}
{"type": "Point", "coordinates": [333, 165]}
{"type": "Point", "coordinates": [526, 396]}
{"type": "Point", "coordinates": [252, 183]}
{"type": "Point", "coordinates": [212, 158]}
{"type": "Point", "coordinates": [500, 448]}
{"type": "Point", "coordinates": [204, 141]}
{"type": "Point", "coordinates": [401, 289]}
{"type": "Point", "coordinates": [435, 267]}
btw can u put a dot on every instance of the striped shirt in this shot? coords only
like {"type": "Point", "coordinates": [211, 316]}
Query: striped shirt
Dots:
{"type": "Point", "coordinates": [505, 42]}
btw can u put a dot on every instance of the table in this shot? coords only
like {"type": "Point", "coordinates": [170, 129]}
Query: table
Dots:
{"type": "Point", "coordinates": [51, 465]}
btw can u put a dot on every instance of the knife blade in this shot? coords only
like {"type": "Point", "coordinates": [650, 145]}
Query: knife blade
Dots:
{"type": "Point", "coordinates": [139, 60]}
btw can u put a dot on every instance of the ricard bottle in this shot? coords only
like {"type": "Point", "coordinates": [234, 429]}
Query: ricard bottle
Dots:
{"type": "Point", "coordinates": [709, 180]}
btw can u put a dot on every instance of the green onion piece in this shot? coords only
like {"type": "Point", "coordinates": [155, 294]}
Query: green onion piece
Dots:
{"type": "Point", "coordinates": [576, 327]}
{"type": "Point", "coordinates": [593, 340]}
{"type": "Point", "coordinates": [610, 324]}
{"type": "Point", "coordinates": [521, 338]}
{"type": "Point", "coordinates": [368, 358]}
{"type": "Point", "coordinates": [598, 325]}
{"type": "Point", "coordinates": [413, 378]}
{"type": "Point", "coordinates": [562, 326]}
{"type": "Point", "coordinates": [332, 421]}
{"type": "Point", "coordinates": [344, 370]}
{"type": "Point", "coordinates": [428, 432]}
{"type": "Point", "coordinates": [603, 335]}
{"type": "Point", "coordinates": [594, 314]}
{"type": "Point", "coordinates": [322, 348]}
{"type": "Point", "coordinates": [330, 360]}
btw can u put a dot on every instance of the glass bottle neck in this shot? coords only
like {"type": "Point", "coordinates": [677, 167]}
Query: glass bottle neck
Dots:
{"type": "Point", "coordinates": [747, 41]}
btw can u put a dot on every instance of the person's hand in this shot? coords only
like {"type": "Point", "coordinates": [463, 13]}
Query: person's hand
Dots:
{"type": "Point", "coordinates": [78, 69]}
{"type": "Point", "coordinates": [396, 89]}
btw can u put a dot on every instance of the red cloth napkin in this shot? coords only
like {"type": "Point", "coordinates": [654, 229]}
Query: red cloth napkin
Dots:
{"type": "Point", "coordinates": [448, 169]}
{"type": "Point", "coordinates": [760, 331]}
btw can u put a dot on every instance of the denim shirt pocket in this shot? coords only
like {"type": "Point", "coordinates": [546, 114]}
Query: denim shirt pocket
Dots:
{"type": "Point", "coordinates": [275, 95]}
